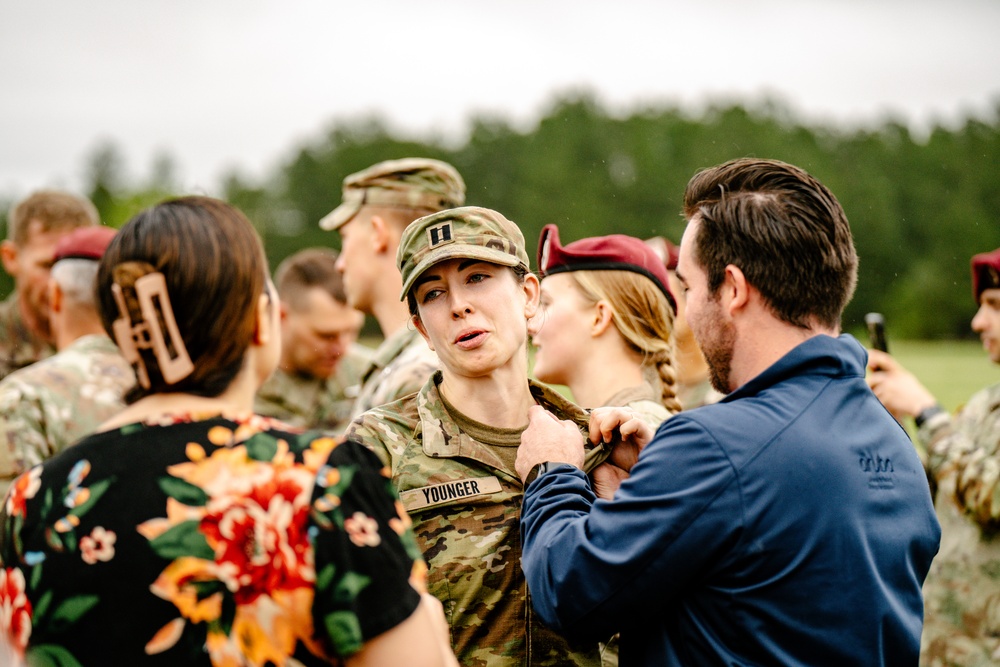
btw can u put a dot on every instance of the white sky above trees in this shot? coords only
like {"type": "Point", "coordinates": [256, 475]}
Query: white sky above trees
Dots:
{"type": "Point", "coordinates": [240, 84]}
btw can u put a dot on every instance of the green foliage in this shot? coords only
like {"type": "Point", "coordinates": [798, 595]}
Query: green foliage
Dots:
{"type": "Point", "coordinates": [919, 208]}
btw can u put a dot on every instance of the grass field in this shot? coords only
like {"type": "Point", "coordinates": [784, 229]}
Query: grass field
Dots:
{"type": "Point", "coordinates": [952, 370]}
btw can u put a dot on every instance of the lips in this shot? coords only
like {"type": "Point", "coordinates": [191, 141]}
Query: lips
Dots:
{"type": "Point", "coordinates": [470, 338]}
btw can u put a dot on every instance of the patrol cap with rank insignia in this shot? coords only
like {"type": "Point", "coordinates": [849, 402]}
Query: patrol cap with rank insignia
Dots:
{"type": "Point", "coordinates": [468, 232]}
{"type": "Point", "coordinates": [985, 272]}
{"type": "Point", "coordinates": [417, 183]}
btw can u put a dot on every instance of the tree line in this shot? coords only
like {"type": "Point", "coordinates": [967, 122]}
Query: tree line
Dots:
{"type": "Point", "coordinates": [919, 207]}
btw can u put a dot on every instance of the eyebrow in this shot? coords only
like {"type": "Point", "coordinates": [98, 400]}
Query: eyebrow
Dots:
{"type": "Point", "coordinates": [427, 277]}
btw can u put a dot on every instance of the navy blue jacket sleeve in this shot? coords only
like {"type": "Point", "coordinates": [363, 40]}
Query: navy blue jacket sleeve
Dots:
{"type": "Point", "coordinates": [590, 562]}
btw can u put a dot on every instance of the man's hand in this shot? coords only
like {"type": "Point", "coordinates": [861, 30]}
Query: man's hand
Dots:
{"type": "Point", "coordinates": [606, 478]}
{"type": "Point", "coordinates": [548, 438]}
{"type": "Point", "coordinates": [620, 426]}
{"type": "Point", "coordinates": [900, 391]}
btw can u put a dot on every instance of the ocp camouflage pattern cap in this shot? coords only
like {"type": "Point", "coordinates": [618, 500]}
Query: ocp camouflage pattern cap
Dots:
{"type": "Point", "coordinates": [420, 183]}
{"type": "Point", "coordinates": [985, 272]}
{"type": "Point", "coordinates": [468, 232]}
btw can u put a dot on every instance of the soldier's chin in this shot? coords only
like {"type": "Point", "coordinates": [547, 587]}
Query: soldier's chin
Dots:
{"type": "Point", "coordinates": [323, 371]}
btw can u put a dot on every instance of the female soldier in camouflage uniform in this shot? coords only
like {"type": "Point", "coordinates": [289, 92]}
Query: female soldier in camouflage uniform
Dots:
{"type": "Point", "coordinates": [605, 326]}
{"type": "Point", "coordinates": [451, 446]}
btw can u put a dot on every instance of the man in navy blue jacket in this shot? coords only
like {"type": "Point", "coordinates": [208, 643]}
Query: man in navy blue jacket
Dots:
{"type": "Point", "coordinates": [789, 524]}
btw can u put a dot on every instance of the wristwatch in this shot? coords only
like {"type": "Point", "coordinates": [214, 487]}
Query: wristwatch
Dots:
{"type": "Point", "coordinates": [540, 469]}
{"type": "Point", "coordinates": [928, 413]}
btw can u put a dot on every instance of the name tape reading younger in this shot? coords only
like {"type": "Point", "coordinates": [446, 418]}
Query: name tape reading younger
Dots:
{"type": "Point", "coordinates": [436, 494]}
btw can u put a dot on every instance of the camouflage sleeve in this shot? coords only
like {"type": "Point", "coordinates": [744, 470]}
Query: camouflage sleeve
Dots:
{"type": "Point", "coordinates": [365, 429]}
{"type": "Point", "coordinates": [651, 412]}
{"type": "Point", "coordinates": [967, 448]}
{"type": "Point", "coordinates": [22, 440]}
{"type": "Point", "coordinates": [404, 380]}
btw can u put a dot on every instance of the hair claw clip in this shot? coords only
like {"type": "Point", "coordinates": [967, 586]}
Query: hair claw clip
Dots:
{"type": "Point", "coordinates": [150, 290]}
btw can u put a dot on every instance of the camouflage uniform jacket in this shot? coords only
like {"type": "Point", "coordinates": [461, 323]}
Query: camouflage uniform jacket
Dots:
{"type": "Point", "coordinates": [49, 405]}
{"type": "Point", "coordinates": [18, 345]}
{"type": "Point", "coordinates": [313, 403]}
{"type": "Point", "coordinates": [643, 400]}
{"type": "Point", "coordinates": [698, 394]}
{"type": "Point", "coordinates": [400, 366]}
{"type": "Point", "coordinates": [962, 590]}
{"type": "Point", "coordinates": [465, 503]}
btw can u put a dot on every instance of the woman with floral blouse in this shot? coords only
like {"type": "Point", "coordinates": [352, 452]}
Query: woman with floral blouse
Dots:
{"type": "Point", "coordinates": [188, 530]}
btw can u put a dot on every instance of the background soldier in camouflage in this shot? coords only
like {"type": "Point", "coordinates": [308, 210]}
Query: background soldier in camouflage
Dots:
{"type": "Point", "coordinates": [51, 404]}
{"type": "Point", "coordinates": [451, 447]}
{"type": "Point", "coordinates": [962, 590]}
{"type": "Point", "coordinates": [34, 226]}
{"type": "Point", "coordinates": [378, 204]}
{"type": "Point", "coordinates": [319, 373]}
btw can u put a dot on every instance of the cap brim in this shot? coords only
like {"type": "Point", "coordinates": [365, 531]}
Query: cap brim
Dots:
{"type": "Point", "coordinates": [455, 251]}
{"type": "Point", "coordinates": [339, 216]}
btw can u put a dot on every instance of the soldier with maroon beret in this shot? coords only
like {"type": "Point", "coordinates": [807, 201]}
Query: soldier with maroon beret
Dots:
{"type": "Point", "coordinates": [962, 590]}
{"type": "Point", "coordinates": [49, 405]}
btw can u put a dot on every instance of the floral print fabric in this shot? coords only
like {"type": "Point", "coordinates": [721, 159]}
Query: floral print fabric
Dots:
{"type": "Point", "coordinates": [204, 540]}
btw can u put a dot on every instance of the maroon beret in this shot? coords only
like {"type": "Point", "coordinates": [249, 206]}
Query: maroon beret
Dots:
{"type": "Point", "coordinates": [85, 243]}
{"type": "Point", "coordinates": [602, 253]}
{"type": "Point", "coordinates": [985, 272]}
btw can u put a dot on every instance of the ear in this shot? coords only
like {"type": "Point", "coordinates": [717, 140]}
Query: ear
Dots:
{"type": "Point", "coordinates": [381, 234]}
{"type": "Point", "coordinates": [8, 254]}
{"type": "Point", "coordinates": [55, 296]}
{"type": "Point", "coordinates": [602, 318]}
{"type": "Point", "coordinates": [264, 328]}
{"type": "Point", "coordinates": [735, 290]}
{"type": "Point", "coordinates": [419, 325]}
{"type": "Point", "coordinates": [533, 293]}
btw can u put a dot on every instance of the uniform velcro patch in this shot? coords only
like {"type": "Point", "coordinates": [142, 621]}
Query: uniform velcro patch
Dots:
{"type": "Point", "coordinates": [437, 494]}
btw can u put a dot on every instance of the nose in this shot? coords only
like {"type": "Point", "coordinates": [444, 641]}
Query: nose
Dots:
{"type": "Point", "coordinates": [337, 347]}
{"type": "Point", "coordinates": [979, 321]}
{"type": "Point", "coordinates": [460, 306]}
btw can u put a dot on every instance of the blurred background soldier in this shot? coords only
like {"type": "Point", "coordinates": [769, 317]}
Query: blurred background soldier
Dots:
{"type": "Point", "coordinates": [47, 406]}
{"type": "Point", "coordinates": [34, 226]}
{"type": "Point", "coordinates": [378, 203]}
{"type": "Point", "coordinates": [693, 385]}
{"type": "Point", "coordinates": [962, 591]}
{"type": "Point", "coordinates": [319, 374]}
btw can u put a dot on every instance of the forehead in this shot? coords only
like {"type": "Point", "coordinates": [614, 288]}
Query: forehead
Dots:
{"type": "Point", "coordinates": [316, 305]}
{"type": "Point", "coordinates": [42, 240]}
{"type": "Point", "coordinates": [558, 282]}
{"type": "Point", "coordinates": [685, 260]}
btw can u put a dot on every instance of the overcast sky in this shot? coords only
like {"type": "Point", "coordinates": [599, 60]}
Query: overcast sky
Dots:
{"type": "Point", "coordinates": [224, 84]}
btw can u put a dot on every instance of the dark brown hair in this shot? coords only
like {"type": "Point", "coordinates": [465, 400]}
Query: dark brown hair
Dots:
{"type": "Point", "coordinates": [215, 270]}
{"type": "Point", "coordinates": [785, 231]}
